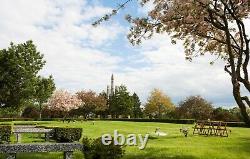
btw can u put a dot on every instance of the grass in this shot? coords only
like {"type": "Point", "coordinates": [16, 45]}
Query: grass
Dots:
{"type": "Point", "coordinates": [172, 146]}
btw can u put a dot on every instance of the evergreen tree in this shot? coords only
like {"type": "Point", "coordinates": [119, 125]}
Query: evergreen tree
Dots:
{"type": "Point", "coordinates": [136, 109]}
{"type": "Point", "coordinates": [121, 102]}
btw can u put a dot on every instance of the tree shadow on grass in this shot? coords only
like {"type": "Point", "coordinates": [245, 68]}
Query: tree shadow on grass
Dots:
{"type": "Point", "coordinates": [152, 153]}
{"type": "Point", "coordinates": [45, 155]}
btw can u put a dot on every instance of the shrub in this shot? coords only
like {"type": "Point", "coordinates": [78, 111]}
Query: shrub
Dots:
{"type": "Point", "coordinates": [67, 134]}
{"type": "Point", "coordinates": [94, 149]}
{"type": "Point", "coordinates": [5, 133]}
{"type": "Point", "coordinates": [30, 112]}
{"type": "Point", "coordinates": [9, 113]}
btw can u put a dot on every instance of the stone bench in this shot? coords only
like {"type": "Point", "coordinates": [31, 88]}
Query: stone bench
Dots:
{"type": "Point", "coordinates": [18, 131]}
{"type": "Point", "coordinates": [24, 126]}
{"type": "Point", "coordinates": [12, 149]}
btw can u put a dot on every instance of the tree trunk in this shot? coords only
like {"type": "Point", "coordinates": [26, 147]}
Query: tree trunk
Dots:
{"type": "Point", "coordinates": [239, 101]}
{"type": "Point", "coordinates": [40, 111]}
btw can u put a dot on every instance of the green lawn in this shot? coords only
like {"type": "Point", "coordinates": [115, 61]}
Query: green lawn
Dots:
{"type": "Point", "coordinates": [172, 146]}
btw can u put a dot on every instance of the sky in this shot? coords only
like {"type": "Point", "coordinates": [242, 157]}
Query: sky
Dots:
{"type": "Point", "coordinates": [83, 57]}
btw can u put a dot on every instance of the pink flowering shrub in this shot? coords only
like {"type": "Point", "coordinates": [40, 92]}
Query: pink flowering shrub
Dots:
{"type": "Point", "coordinates": [63, 101]}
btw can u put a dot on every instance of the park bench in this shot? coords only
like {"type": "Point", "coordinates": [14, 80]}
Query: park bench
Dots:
{"type": "Point", "coordinates": [21, 130]}
{"type": "Point", "coordinates": [216, 128]}
{"type": "Point", "coordinates": [12, 149]}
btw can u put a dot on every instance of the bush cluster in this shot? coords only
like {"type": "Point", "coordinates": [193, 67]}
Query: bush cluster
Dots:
{"type": "Point", "coordinates": [30, 112]}
{"type": "Point", "coordinates": [94, 149]}
{"type": "Point", "coordinates": [67, 134]}
{"type": "Point", "coordinates": [5, 133]}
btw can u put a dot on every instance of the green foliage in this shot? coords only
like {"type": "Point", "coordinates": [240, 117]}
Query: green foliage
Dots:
{"type": "Point", "coordinates": [94, 149]}
{"type": "Point", "coordinates": [43, 90]}
{"type": "Point", "coordinates": [5, 133]}
{"type": "Point", "coordinates": [67, 134]}
{"type": "Point", "coordinates": [136, 109]}
{"type": "Point", "coordinates": [30, 112]}
{"type": "Point", "coordinates": [9, 112]}
{"type": "Point", "coordinates": [121, 102]}
{"type": "Point", "coordinates": [222, 114]}
{"type": "Point", "coordinates": [48, 113]}
{"type": "Point", "coordinates": [19, 83]}
{"type": "Point", "coordinates": [195, 107]}
{"type": "Point", "coordinates": [19, 65]}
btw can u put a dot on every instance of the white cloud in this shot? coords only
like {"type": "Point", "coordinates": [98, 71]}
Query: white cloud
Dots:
{"type": "Point", "coordinates": [62, 32]}
{"type": "Point", "coordinates": [169, 71]}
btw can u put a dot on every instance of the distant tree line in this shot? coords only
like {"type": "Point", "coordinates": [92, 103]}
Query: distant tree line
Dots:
{"type": "Point", "coordinates": [89, 104]}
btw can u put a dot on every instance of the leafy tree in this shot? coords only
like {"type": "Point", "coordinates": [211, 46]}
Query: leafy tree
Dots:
{"type": "Point", "coordinates": [91, 103]}
{"type": "Point", "coordinates": [31, 112]}
{"type": "Point", "coordinates": [206, 26]}
{"type": "Point", "coordinates": [19, 65]}
{"type": "Point", "coordinates": [121, 102]}
{"type": "Point", "coordinates": [9, 112]}
{"type": "Point", "coordinates": [223, 114]}
{"type": "Point", "coordinates": [44, 89]}
{"type": "Point", "coordinates": [236, 114]}
{"type": "Point", "coordinates": [136, 109]}
{"type": "Point", "coordinates": [158, 104]}
{"type": "Point", "coordinates": [195, 107]}
{"type": "Point", "coordinates": [61, 102]}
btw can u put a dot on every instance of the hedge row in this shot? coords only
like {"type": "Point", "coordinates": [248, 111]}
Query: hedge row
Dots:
{"type": "Point", "coordinates": [64, 134]}
{"type": "Point", "coordinates": [5, 133]}
{"type": "Point", "coordinates": [16, 119]}
{"type": "Point", "coordinates": [176, 121]}
{"type": "Point", "coordinates": [67, 134]}
{"type": "Point", "coordinates": [236, 124]}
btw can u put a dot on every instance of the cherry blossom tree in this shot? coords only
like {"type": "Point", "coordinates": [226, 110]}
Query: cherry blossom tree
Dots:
{"type": "Point", "coordinates": [63, 101]}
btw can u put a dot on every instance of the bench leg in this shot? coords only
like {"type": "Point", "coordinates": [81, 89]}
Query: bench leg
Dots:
{"type": "Point", "coordinates": [46, 136]}
{"type": "Point", "coordinates": [68, 155]}
{"type": "Point", "coordinates": [18, 138]}
{"type": "Point", "coordinates": [11, 156]}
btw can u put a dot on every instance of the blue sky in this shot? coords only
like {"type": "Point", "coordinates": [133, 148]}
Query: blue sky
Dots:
{"type": "Point", "coordinates": [80, 56]}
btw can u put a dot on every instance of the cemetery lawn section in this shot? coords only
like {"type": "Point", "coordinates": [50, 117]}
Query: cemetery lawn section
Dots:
{"type": "Point", "coordinates": [172, 146]}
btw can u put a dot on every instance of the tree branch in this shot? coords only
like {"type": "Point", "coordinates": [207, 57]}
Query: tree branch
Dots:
{"type": "Point", "coordinates": [246, 99]}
